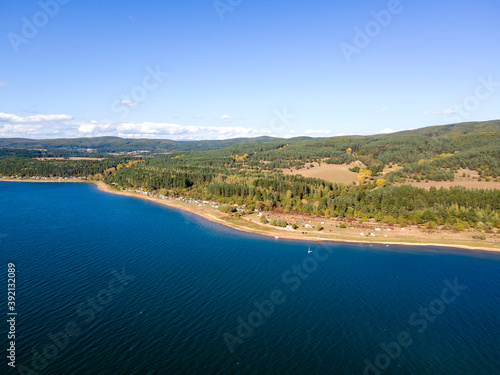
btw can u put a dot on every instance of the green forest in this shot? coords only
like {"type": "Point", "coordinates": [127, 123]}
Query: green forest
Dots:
{"type": "Point", "coordinates": [250, 172]}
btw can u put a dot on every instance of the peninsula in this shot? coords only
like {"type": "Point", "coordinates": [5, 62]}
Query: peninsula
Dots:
{"type": "Point", "coordinates": [432, 186]}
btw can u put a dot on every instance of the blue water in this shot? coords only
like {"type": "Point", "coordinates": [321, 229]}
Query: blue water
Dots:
{"type": "Point", "coordinates": [188, 281]}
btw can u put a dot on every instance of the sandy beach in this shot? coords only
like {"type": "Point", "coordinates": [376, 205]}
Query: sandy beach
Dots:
{"type": "Point", "coordinates": [372, 233]}
{"type": "Point", "coordinates": [411, 236]}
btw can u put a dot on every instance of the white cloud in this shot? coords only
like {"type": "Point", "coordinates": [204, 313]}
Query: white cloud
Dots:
{"type": "Point", "coordinates": [88, 128]}
{"type": "Point", "coordinates": [225, 117]}
{"type": "Point", "coordinates": [129, 103]}
{"type": "Point", "coordinates": [317, 132]}
{"type": "Point", "coordinates": [64, 126]}
{"type": "Point", "coordinates": [59, 126]}
{"type": "Point", "coordinates": [10, 118]}
{"type": "Point", "coordinates": [381, 110]}
{"type": "Point", "coordinates": [447, 111]}
{"type": "Point", "coordinates": [24, 131]}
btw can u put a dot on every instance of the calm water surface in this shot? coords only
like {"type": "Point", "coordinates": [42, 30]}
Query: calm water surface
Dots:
{"type": "Point", "coordinates": [144, 289]}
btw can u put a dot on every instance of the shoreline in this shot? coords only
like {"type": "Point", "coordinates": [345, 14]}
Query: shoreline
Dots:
{"type": "Point", "coordinates": [266, 230]}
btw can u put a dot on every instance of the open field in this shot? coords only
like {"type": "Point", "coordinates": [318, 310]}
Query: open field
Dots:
{"type": "Point", "coordinates": [470, 181]}
{"type": "Point", "coordinates": [380, 233]}
{"type": "Point", "coordinates": [341, 173]}
{"type": "Point", "coordinates": [329, 172]}
{"type": "Point", "coordinates": [70, 158]}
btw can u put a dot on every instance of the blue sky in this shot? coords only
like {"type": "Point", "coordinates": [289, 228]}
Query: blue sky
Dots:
{"type": "Point", "coordinates": [205, 69]}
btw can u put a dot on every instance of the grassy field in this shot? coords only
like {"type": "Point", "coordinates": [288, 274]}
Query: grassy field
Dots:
{"type": "Point", "coordinates": [470, 181]}
{"type": "Point", "coordinates": [329, 172]}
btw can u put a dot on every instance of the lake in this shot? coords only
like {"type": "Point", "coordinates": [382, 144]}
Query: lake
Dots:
{"type": "Point", "coordinates": [108, 284]}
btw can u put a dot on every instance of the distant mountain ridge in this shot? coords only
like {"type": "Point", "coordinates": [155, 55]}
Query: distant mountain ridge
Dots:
{"type": "Point", "coordinates": [117, 144]}
{"type": "Point", "coordinates": [464, 128]}
{"type": "Point", "coordinates": [125, 145]}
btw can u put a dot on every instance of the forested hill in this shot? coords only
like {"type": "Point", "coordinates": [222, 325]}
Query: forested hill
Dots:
{"type": "Point", "coordinates": [456, 129]}
{"type": "Point", "coordinates": [433, 153]}
{"type": "Point", "coordinates": [115, 145]}
{"type": "Point", "coordinates": [123, 145]}
{"type": "Point", "coordinates": [252, 172]}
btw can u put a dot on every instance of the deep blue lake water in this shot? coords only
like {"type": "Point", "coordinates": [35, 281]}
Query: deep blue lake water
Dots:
{"type": "Point", "coordinates": [108, 284]}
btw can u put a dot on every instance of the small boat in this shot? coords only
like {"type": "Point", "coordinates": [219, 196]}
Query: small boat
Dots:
{"type": "Point", "coordinates": [276, 237]}
{"type": "Point", "coordinates": [309, 250]}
